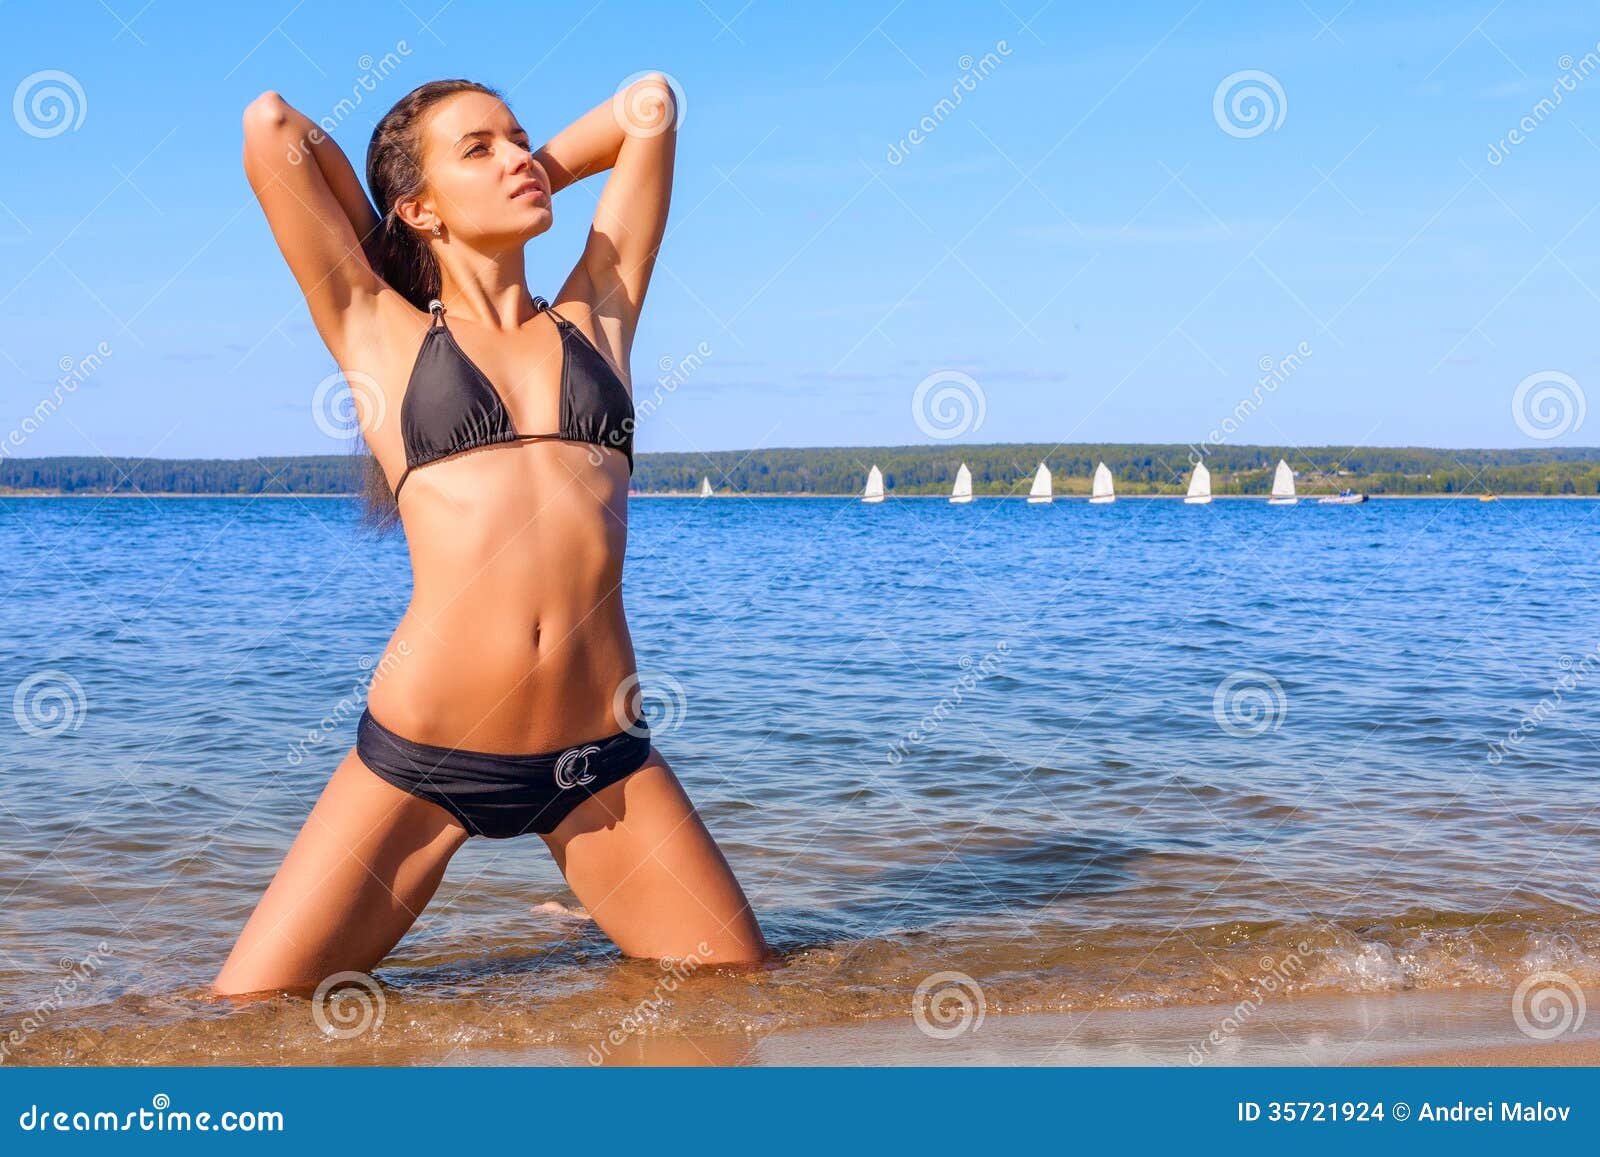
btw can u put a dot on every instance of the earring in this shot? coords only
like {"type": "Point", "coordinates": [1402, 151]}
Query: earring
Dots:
{"type": "Point", "coordinates": [436, 229]}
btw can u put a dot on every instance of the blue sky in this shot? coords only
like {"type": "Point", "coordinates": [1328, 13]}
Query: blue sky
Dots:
{"type": "Point", "coordinates": [1101, 254]}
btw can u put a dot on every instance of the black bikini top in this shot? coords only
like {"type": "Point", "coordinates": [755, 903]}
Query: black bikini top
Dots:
{"type": "Point", "coordinates": [450, 406]}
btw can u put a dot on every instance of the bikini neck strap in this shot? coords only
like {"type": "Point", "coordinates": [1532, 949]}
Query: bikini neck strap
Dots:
{"type": "Point", "coordinates": [540, 305]}
{"type": "Point", "coordinates": [436, 310]}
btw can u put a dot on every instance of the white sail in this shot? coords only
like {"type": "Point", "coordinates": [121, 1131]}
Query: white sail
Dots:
{"type": "Point", "coordinates": [1283, 486]}
{"type": "Point", "coordinates": [705, 488]}
{"type": "Point", "coordinates": [1041, 485]}
{"type": "Point", "coordinates": [1199, 485]}
{"type": "Point", "coordinates": [1103, 490]}
{"type": "Point", "coordinates": [874, 490]}
{"type": "Point", "coordinates": [962, 491]}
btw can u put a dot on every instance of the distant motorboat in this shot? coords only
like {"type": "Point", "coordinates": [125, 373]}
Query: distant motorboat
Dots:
{"type": "Point", "coordinates": [1343, 498]}
{"type": "Point", "coordinates": [1199, 485]}
{"type": "Point", "coordinates": [962, 490]}
{"type": "Point", "coordinates": [874, 490]}
{"type": "Point", "coordinates": [1486, 498]}
{"type": "Point", "coordinates": [1103, 490]}
{"type": "Point", "coordinates": [1041, 491]}
{"type": "Point", "coordinates": [1283, 486]}
{"type": "Point", "coordinates": [705, 488]}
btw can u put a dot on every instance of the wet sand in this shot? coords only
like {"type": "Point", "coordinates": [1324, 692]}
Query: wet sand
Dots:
{"type": "Point", "coordinates": [1576, 1052]}
{"type": "Point", "coordinates": [1449, 1029]}
{"type": "Point", "coordinates": [1462, 1027]}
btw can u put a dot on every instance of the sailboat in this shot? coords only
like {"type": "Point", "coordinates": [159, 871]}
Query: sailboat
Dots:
{"type": "Point", "coordinates": [962, 491]}
{"type": "Point", "coordinates": [1282, 486]}
{"type": "Point", "coordinates": [705, 488]}
{"type": "Point", "coordinates": [1041, 485]}
{"type": "Point", "coordinates": [1103, 491]}
{"type": "Point", "coordinates": [1199, 485]}
{"type": "Point", "coordinates": [874, 490]}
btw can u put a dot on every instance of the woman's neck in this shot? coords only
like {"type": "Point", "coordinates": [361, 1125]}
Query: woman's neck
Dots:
{"type": "Point", "coordinates": [490, 290]}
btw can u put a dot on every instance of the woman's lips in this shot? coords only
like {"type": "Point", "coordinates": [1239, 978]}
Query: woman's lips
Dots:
{"type": "Point", "coordinates": [533, 191]}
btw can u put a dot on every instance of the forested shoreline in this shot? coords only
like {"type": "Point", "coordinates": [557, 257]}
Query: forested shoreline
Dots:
{"type": "Point", "coordinates": [997, 469]}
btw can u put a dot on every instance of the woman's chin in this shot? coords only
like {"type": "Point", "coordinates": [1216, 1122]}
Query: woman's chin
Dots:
{"type": "Point", "coordinates": [539, 221]}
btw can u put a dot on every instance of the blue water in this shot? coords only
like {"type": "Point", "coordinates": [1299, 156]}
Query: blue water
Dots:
{"type": "Point", "coordinates": [1089, 755]}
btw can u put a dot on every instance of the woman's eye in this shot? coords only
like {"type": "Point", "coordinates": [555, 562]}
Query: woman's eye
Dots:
{"type": "Point", "coordinates": [475, 148]}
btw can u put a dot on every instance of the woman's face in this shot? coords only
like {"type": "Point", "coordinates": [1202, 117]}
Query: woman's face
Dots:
{"type": "Point", "coordinates": [482, 184]}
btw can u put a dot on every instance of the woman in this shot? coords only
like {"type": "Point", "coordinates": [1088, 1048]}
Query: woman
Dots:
{"type": "Point", "coordinates": [506, 700]}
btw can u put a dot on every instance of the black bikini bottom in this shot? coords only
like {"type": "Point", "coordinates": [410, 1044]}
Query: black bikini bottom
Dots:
{"type": "Point", "coordinates": [497, 795]}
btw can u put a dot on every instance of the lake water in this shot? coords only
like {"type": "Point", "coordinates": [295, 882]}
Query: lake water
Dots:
{"type": "Point", "coordinates": [1087, 756]}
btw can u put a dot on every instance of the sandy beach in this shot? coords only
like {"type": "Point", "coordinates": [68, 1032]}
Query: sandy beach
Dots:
{"type": "Point", "coordinates": [1448, 1029]}
{"type": "Point", "coordinates": [1457, 1029]}
{"type": "Point", "coordinates": [1586, 1052]}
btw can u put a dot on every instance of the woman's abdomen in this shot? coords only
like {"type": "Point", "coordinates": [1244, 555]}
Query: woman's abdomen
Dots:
{"type": "Point", "coordinates": [515, 639]}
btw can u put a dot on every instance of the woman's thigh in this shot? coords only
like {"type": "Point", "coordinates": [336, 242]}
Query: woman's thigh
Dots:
{"type": "Point", "coordinates": [642, 863]}
{"type": "Point", "coordinates": [364, 865]}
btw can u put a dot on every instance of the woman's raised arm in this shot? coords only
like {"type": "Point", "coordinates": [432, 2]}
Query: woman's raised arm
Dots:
{"type": "Point", "coordinates": [319, 215]}
{"type": "Point", "coordinates": [634, 134]}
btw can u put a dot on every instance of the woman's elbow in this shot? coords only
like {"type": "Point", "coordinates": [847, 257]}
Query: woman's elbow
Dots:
{"type": "Point", "coordinates": [651, 105]}
{"type": "Point", "coordinates": [267, 113]}
{"type": "Point", "coordinates": [273, 133]}
{"type": "Point", "coordinates": [658, 84]}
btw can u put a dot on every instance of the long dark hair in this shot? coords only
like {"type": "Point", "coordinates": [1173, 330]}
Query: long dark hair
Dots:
{"type": "Point", "coordinates": [397, 251]}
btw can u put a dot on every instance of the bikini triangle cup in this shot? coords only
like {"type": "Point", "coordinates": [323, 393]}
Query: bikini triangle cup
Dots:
{"type": "Point", "coordinates": [450, 405]}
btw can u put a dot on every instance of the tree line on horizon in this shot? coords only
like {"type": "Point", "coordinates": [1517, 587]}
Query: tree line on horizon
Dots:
{"type": "Point", "coordinates": [997, 469]}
